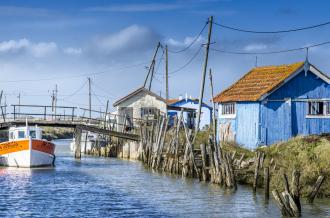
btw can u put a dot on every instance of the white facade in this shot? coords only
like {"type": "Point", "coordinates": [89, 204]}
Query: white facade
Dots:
{"type": "Point", "coordinates": [136, 105]}
{"type": "Point", "coordinates": [142, 100]}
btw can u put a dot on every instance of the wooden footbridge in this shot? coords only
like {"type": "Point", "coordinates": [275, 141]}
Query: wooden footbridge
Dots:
{"type": "Point", "coordinates": [72, 117]}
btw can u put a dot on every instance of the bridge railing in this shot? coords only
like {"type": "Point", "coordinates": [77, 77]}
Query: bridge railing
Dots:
{"type": "Point", "coordinates": [109, 121]}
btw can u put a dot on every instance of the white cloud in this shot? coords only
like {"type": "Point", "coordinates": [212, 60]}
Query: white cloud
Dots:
{"type": "Point", "coordinates": [134, 38]}
{"type": "Point", "coordinates": [72, 51]}
{"type": "Point", "coordinates": [186, 41]}
{"type": "Point", "coordinates": [40, 49]}
{"type": "Point", "coordinates": [255, 47]}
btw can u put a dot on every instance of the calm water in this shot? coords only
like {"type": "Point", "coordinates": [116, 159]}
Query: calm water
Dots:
{"type": "Point", "coordinates": [97, 187]}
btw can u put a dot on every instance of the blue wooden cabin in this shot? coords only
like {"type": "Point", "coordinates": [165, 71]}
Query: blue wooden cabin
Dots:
{"type": "Point", "coordinates": [274, 103]}
{"type": "Point", "coordinates": [190, 106]}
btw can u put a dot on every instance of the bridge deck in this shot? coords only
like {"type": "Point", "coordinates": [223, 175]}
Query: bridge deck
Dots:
{"type": "Point", "coordinates": [71, 124]}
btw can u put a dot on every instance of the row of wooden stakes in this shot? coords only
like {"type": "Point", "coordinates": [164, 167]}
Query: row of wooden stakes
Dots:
{"type": "Point", "coordinates": [165, 149]}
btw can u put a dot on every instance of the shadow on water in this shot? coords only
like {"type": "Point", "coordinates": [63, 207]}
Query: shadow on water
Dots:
{"type": "Point", "coordinates": [106, 187]}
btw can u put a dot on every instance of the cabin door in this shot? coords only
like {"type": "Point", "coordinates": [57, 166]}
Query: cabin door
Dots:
{"type": "Point", "coordinates": [125, 117]}
{"type": "Point", "coordinates": [277, 121]}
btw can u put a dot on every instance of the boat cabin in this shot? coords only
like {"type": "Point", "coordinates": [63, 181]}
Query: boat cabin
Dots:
{"type": "Point", "coordinates": [24, 132]}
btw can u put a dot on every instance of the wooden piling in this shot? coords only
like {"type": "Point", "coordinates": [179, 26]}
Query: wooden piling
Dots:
{"type": "Point", "coordinates": [256, 170]}
{"type": "Point", "coordinates": [204, 163]}
{"type": "Point", "coordinates": [316, 188]}
{"type": "Point", "coordinates": [295, 190]}
{"type": "Point", "coordinates": [77, 135]}
{"type": "Point", "coordinates": [266, 182]}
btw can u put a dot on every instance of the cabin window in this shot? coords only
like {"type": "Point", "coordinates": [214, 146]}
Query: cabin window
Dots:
{"type": "Point", "coordinates": [327, 107]}
{"type": "Point", "coordinates": [21, 134]}
{"type": "Point", "coordinates": [315, 108]}
{"type": "Point", "coordinates": [228, 108]}
{"type": "Point", "coordinates": [146, 111]}
{"type": "Point", "coordinates": [33, 134]}
{"type": "Point", "coordinates": [319, 108]}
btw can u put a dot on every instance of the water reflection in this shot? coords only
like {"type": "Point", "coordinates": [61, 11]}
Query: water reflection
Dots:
{"type": "Point", "coordinates": [102, 187]}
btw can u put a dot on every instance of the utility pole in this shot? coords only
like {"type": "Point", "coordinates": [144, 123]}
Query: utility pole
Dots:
{"type": "Point", "coordinates": [166, 75]}
{"type": "Point", "coordinates": [19, 103]}
{"type": "Point", "coordinates": [2, 113]}
{"type": "Point", "coordinates": [201, 94]}
{"type": "Point", "coordinates": [151, 68]}
{"type": "Point", "coordinates": [55, 99]}
{"type": "Point", "coordinates": [90, 98]}
{"type": "Point", "coordinates": [5, 105]}
{"type": "Point", "coordinates": [214, 120]}
{"type": "Point", "coordinates": [105, 115]}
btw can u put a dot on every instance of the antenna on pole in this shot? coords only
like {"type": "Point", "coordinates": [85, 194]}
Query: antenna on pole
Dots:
{"type": "Point", "coordinates": [306, 64]}
{"type": "Point", "coordinates": [166, 74]}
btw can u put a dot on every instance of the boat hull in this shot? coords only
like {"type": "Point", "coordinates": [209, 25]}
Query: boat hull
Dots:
{"type": "Point", "coordinates": [27, 153]}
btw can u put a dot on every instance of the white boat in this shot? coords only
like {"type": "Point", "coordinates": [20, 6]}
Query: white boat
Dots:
{"type": "Point", "coordinates": [88, 141]}
{"type": "Point", "coordinates": [26, 148]}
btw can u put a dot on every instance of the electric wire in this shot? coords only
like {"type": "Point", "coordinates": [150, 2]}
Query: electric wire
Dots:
{"type": "Point", "coordinates": [76, 91]}
{"type": "Point", "coordinates": [271, 32]}
{"type": "Point", "coordinates": [75, 76]}
{"type": "Point", "coordinates": [269, 52]}
{"type": "Point", "coordinates": [188, 62]}
{"type": "Point", "coordinates": [191, 43]}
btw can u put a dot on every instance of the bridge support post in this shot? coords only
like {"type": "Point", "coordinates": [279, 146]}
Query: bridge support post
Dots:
{"type": "Point", "coordinates": [77, 135]}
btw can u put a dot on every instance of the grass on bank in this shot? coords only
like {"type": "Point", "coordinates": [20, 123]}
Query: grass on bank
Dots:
{"type": "Point", "coordinates": [309, 154]}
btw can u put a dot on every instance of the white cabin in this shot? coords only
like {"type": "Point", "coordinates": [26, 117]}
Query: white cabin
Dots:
{"type": "Point", "coordinates": [24, 132]}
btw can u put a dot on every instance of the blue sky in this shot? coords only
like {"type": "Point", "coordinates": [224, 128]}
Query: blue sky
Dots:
{"type": "Point", "coordinates": [62, 41]}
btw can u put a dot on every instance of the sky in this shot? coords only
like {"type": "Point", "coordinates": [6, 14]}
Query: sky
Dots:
{"type": "Point", "coordinates": [62, 42]}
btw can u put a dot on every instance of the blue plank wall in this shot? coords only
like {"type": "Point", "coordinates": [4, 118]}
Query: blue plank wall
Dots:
{"type": "Point", "coordinates": [284, 115]}
{"type": "Point", "coordinates": [247, 123]}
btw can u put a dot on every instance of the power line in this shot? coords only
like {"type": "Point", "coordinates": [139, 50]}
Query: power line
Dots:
{"type": "Point", "coordinates": [188, 62]}
{"type": "Point", "coordinates": [74, 76]}
{"type": "Point", "coordinates": [75, 92]}
{"type": "Point", "coordinates": [103, 90]}
{"type": "Point", "coordinates": [270, 52]}
{"type": "Point", "coordinates": [159, 62]}
{"type": "Point", "coordinates": [98, 99]}
{"type": "Point", "coordinates": [271, 32]}
{"type": "Point", "coordinates": [192, 42]}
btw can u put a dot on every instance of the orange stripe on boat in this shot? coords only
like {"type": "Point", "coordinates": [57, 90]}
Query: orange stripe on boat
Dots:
{"type": "Point", "coordinates": [43, 146]}
{"type": "Point", "coordinates": [14, 146]}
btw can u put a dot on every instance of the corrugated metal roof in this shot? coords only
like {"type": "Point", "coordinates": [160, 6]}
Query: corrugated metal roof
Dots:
{"type": "Point", "coordinates": [257, 82]}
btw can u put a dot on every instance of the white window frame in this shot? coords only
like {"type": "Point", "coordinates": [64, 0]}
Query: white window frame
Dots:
{"type": "Point", "coordinates": [227, 110]}
{"type": "Point", "coordinates": [326, 109]}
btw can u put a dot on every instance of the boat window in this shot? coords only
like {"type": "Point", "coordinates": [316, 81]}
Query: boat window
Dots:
{"type": "Point", "coordinates": [33, 134]}
{"type": "Point", "coordinates": [11, 135]}
{"type": "Point", "coordinates": [21, 134]}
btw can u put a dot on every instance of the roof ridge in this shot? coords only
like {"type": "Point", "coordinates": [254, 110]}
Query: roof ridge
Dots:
{"type": "Point", "coordinates": [277, 74]}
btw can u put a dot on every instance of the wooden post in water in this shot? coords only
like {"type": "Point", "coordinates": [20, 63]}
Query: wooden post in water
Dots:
{"type": "Point", "coordinates": [77, 135]}
{"type": "Point", "coordinates": [204, 164]}
{"type": "Point", "coordinates": [289, 201]}
{"type": "Point", "coordinates": [266, 182]}
{"type": "Point", "coordinates": [295, 192]}
{"type": "Point", "coordinates": [256, 170]}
